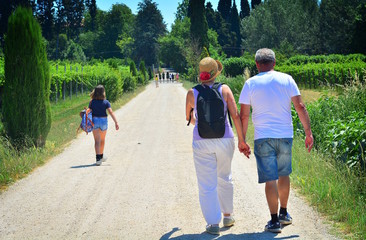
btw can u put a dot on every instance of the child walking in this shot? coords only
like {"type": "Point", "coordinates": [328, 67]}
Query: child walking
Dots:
{"type": "Point", "coordinates": [99, 106]}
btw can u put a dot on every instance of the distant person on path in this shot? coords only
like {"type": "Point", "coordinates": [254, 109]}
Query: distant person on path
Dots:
{"type": "Point", "coordinates": [177, 77]}
{"type": "Point", "coordinates": [270, 94]}
{"type": "Point", "coordinates": [156, 80]}
{"type": "Point", "coordinates": [99, 106]}
{"type": "Point", "coordinates": [213, 152]}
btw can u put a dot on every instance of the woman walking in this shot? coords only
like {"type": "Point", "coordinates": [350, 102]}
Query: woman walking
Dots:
{"type": "Point", "coordinates": [99, 106]}
{"type": "Point", "coordinates": [213, 149]}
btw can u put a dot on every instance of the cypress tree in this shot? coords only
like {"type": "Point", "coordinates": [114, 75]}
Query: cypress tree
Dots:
{"type": "Point", "coordinates": [199, 25]}
{"type": "Point", "coordinates": [255, 3]}
{"type": "Point", "coordinates": [224, 7]}
{"type": "Point", "coordinates": [26, 106]}
{"type": "Point", "coordinates": [133, 69]}
{"type": "Point", "coordinates": [235, 28]}
{"type": "Point", "coordinates": [245, 9]}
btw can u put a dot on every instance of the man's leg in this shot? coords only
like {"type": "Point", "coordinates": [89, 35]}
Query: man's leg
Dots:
{"type": "Point", "coordinates": [284, 190]}
{"type": "Point", "coordinates": [272, 196]}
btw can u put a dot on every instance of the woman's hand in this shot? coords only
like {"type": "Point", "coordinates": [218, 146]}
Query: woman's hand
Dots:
{"type": "Point", "coordinates": [244, 148]}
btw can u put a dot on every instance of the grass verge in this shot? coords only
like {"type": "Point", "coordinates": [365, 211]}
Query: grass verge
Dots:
{"type": "Point", "coordinates": [65, 121]}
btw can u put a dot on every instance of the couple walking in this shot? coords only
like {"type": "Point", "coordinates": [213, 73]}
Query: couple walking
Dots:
{"type": "Point", "coordinates": [269, 94]}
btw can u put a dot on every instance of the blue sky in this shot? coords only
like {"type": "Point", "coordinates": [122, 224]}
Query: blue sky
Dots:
{"type": "Point", "coordinates": [167, 8]}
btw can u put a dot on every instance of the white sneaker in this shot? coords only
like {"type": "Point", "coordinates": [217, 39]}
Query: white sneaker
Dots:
{"type": "Point", "coordinates": [228, 221]}
{"type": "Point", "coordinates": [99, 162]}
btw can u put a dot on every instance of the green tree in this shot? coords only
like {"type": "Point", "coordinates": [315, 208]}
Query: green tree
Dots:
{"type": "Point", "coordinates": [115, 23]}
{"type": "Point", "coordinates": [224, 8]}
{"type": "Point", "coordinates": [282, 23]}
{"type": "Point", "coordinates": [6, 9]}
{"type": "Point", "coordinates": [26, 106]}
{"type": "Point", "coordinates": [92, 8]}
{"type": "Point", "coordinates": [337, 26]}
{"type": "Point", "coordinates": [74, 10]}
{"type": "Point", "coordinates": [173, 45]}
{"type": "Point", "coordinates": [45, 16]}
{"type": "Point", "coordinates": [133, 69]}
{"type": "Point", "coordinates": [182, 10]}
{"type": "Point", "coordinates": [244, 9]}
{"type": "Point", "coordinates": [148, 28]}
{"type": "Point", "coordinates": [255, 3]}
{"type": "Point", "coordinates": [235, 29]}
{"type": "Point", "coordinates": [210, 16]}
{"type": "Point", "coordinates": [74, 52]}
{"type": "Point", "coordinates": [360, 31]}
{"type": "Point", "coordinates": [142, 70]}
{"type": "Point", "coordinates": [199, 27]}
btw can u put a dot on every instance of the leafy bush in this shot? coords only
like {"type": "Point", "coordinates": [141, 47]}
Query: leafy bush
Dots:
{"type": "Point", "coordinates": [129, 82]}
{"type": "Point", "coordinates": [113, 85]}
{"type": "Point", "coordinates": [338, 125]}
{"type": "Point", "coordinates": [236, 66]}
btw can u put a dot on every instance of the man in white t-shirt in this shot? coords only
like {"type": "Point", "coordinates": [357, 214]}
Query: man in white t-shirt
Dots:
{"type": "Point", "coordinates": [270, 94]}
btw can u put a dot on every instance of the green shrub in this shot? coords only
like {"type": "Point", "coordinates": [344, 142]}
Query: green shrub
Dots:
{"type": "Point", "coordinates": [133, 69]}
{"type": "Point", "coordinates": [129, 82]}
{"type": "Point", "coordinates": [236, 66]}
{"type": "Point", "coordinates": [339, 125]}
{"type": "Point", "coordinates": [113, 85]}
{"type": "Point", "coordinates": [26, 106]}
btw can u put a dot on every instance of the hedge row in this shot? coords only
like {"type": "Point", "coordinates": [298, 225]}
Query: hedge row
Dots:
{"type": "Point", "coordinates": [325, 74]}
{"type": "Point", "coordinates": [332, 58]}
{"type": "Point", "coordinates": [70, 79]}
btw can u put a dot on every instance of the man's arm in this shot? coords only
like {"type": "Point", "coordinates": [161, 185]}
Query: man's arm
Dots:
{"type": "Point", "coordinates": [244, 116]}
{"type": "Point", "coordinates": [305, 120]}
{"type": "Point", "coordinates": [231, 105]}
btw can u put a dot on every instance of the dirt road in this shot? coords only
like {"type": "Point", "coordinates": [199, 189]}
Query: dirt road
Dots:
{"type": "Point", "coordinates": [147, 189]}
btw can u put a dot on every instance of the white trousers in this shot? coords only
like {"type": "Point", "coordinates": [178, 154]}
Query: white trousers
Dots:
{"type": "Point", "coordinates": [212, 159]}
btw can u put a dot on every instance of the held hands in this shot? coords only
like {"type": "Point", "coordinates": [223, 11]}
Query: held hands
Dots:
{"type": "Point", "coordinates": [244, 148]}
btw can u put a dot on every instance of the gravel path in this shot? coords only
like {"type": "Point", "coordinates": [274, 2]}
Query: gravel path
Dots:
{"type": "Point", "coordinates": [147, 189]}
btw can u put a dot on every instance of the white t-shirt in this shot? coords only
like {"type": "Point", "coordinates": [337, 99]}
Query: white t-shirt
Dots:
{"type": "Point", "coordinates": [269, 94]}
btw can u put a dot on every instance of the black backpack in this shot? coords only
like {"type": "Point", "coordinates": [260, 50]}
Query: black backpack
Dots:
{"type": "Point", "coordinates": [211, 114]}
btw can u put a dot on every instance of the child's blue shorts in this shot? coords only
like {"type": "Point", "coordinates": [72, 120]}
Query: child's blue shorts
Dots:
{"type": "Point", "coordinates": [101, 123]}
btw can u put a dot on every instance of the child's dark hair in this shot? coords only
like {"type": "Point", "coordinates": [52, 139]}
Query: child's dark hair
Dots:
{"type": "Point", "coordinates": [98, 93]}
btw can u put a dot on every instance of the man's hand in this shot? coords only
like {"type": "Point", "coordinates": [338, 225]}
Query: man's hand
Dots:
{"type": "Point", "coordinates": [309, 141]}
{"type": "Point", "coordinates": [244, 148]}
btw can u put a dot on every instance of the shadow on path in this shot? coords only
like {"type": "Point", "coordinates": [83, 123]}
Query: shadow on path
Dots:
{"type": "Point", "coordinates": [245, 236]}
{"type": "Point", "coordinates": [85, 166]}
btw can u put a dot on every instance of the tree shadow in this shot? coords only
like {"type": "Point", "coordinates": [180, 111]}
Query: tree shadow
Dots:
{"type": "Point", "coordinates": [205, 236]}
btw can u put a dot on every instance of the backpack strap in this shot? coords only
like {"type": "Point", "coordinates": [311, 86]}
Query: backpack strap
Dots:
{"type": "Point", "coordinates": [199, 88]}
{"type": "Point", "coordinates": [216, 86]}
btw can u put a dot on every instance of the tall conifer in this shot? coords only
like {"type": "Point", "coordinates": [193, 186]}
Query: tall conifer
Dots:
{"type": "Point", "coordinates": [224, 7]}
{"type": "Point", "coordinates": [199, 25]}
{"type": "Point", "coordinates": [244, 9]}
{"type": "Point", "coordinates": [255, 3]}
{"type": "Point", "coordinates": [26, 106]}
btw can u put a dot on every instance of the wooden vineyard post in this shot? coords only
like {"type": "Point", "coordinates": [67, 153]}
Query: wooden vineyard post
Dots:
{"type": "Point", "coordinates": [76, 83]}
{"type": "Point", "coordinates": [70, 83]}
{"type": "Point", "coordinates": [64, 86]}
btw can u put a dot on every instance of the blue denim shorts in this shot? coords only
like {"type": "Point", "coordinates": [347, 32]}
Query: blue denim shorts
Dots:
{"type": "Point", "coordinates": [273, 157]}
{"type": "Point", "coordinates": [101, 123]}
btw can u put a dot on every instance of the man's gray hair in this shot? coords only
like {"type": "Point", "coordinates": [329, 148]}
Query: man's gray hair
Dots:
{"type": "Point", "coordinates": [265, 55]}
